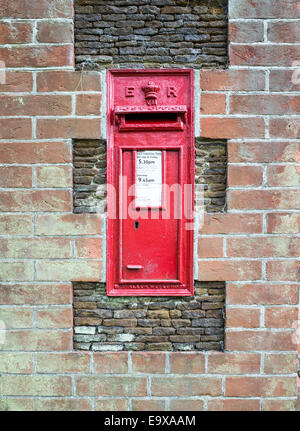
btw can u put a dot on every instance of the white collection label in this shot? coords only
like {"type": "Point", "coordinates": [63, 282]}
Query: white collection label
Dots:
{"type": "Point", "coordinates": [148, 191]}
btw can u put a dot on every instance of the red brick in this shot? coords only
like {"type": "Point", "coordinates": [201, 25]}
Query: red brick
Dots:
{"type": "Point", "coordinates": [62, 404]}
{"type": "Point", "coordinates": [88, 104]}
{"type": "Point", "coordinates": [260, 386]}
{"type": "Point", "coordinates": [264, 9]}
{"type": "Point", "coordinates": [262, 152]}
{"type": "Point", "coordinates": [17, 404]}
{"type": "Point", "coordinates": [213, 104]}
{"type": "Point", "coordinates": [114, 386]}
{"type": "Point", "coordinates": [261, 294]}
{"type": "Point", "coordinates": [35, 248]}
{"type": "Point", "coordinates": [284, 80]}
{"type": "Point", "coordinates": [264, 104]}
{"type": "Point", "coordinates": [281, 270]}
{"type": "Point", "coordinates": [275, 246]}
{"type": "Point", "coordinates": [281, 317]}
{"type": "Point", "coordinates": [37, 56]}
{"type": "Point", "coordinates": [16, 271]}
{"type": "Point", "coordinates": [187, 363]}
{"type": "Point", "coordinates": [54, 176]}
{"type": "Point", "coordinates": [283, 32]}
{"type": "Point", "coordinates": [284, 128]}
{"type": "Point", "coordinates": [15, 176]}
{"type": "Point", "coordinates": [20, 363]}
{"type": "Point", "coordinates": [35, 152]}
{"type": "Point", "coordinates": [280, 363]}
{"type": "Point", "coordinates": [15, 128]}
{"type": "Point", "coordinates": [17, 317]}
{"type": "Point", "coordinates": [242, 317]}
{"type": "Point", "coordinates": [36, 385]}
{"type": "Point", "coordinates": [68, 128]}
{"type": "Point", "coordinates": [36, 9]}
{"type": "Point", "coordinates": [148, 405]}
{"type": "Point", "coordinates": [227, 128]}
{"type": "Point", "coordinates": [69, 224]}
{"type": "Point", "coordinates": [251, 31]}
{"type": "Point", "coordinates": [54, 32]}
{"type": "Point", "coordinates": [150, 363]}
{"type": "Point", "coordinates": [283, 176]}
{"type": "Point", "coordinates": [259, 340]}
{"type": "Point", "coordinates": [38, 340]}
{"type": "Point", "coordinates": [69, 270]}
{"type": "Point", "coordinates": [210, 247]}
{"type": "Point", "coordinates": [233, 405]}
{"type": "Point", "coordinates": [264, 199]}
{"type": "Point", "coordinates": [229, 270]}
{"type": "Point", "coordinates": [13, 224]}
{"type": "Point", "coordinates": [233, 363]}
{"type": "Point", "coordinates": [36, 294]}
{"type": "Point", "coordinates": [17, 82]}
{"type": "Point", "coordinates": [232, 80]}
{"type": "Point", "coordinates": [71, 362]}
{"type": "Point", "coordinates": [263, 55]}
{"type": "Point", "coordinates": [278, 405]}
{"type": "Point", "coordinates": [111, 404]}
{"type": "Point", "coordinates": [111, 363]}
{"type": "Point", "coordinates": [17, 32]}
{"type": "Point", "coordinates": [185, 386]}
{"type": "Point", "coordinates": [35, 105]}
{"type": "Point", "coordinates": [244, 176]}
{"type": "Point", "coordinates": [231, 223]}
{"type": "Point", "coordinates": [283, 223]}
{"type": "Point", "coordinates": [60, 318]}
{"type": "Point", "coordinates": [187, 405]}
{"type": "Point", "coordinates": [90, 248]}
{"type": "Point", "coordinates": [27, 200]}
{"type": "Point", "coordinates": [68, 81]}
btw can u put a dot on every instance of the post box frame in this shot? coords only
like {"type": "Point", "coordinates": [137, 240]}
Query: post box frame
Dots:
{"type": "Point", "coordinates": [157, 287]}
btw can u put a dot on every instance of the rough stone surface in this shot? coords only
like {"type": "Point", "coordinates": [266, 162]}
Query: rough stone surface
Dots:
{"type": "Point", "coordinates": [89, 175]}
{"type": "Point", "coordinates": [151, 33]}
{"type": "Point", "coordinates": [103, 323]}
{"type": "Point", "coordinates": [211, 172]}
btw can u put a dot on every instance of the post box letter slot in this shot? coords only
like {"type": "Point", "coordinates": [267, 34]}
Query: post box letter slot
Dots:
{"type": "Point", "coordinates": [151, 120]}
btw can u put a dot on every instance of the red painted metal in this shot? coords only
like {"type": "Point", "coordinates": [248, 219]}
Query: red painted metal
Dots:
{"type": "Point", "coordinates": [150, 123]}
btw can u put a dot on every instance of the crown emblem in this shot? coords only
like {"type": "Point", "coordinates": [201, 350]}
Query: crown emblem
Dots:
{"type": "Point", "coordinates": [150, 90]}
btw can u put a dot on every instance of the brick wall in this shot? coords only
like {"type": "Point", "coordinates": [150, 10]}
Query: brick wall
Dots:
{"type": "Point", "coordinates": [254, 246]}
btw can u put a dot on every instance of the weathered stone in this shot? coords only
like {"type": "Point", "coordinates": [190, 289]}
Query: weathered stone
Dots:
{"type": "Point", "coordinates": [124, 326]}
{"type": "Point", "coordinates": [163, 331]}
{"type": "Point", "coordinates": [120, 322]}
{"type": "Point", "coordinates": [84, 330]}
{"type": "Point", "coordinates": [158, 314]}
{"type": "Point", "coordinates": [168, 21]}
{"type": "Point", "coordinates": [159, 346]}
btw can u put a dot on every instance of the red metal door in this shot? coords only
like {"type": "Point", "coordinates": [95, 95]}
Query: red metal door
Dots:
{"type": "Point", "coordinates": [151, 168]}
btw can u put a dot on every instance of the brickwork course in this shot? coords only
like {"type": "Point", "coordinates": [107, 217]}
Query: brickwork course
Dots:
{"type": "Point", "coordinates": [252, 246]}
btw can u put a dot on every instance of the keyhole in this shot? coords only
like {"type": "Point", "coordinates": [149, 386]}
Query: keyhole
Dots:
{"type": "Point", "coordinates": [136, 224]}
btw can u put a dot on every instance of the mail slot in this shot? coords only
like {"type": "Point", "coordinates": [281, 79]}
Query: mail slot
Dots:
{"type": "Point", "coordinates": [150, 176]}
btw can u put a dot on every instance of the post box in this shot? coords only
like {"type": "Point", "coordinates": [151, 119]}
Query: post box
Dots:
{"type": "Point", "coordinates": [150, 176]}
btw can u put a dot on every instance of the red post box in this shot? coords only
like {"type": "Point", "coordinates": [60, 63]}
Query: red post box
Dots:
{"type": "Point", "coordinates": [150, 176]}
